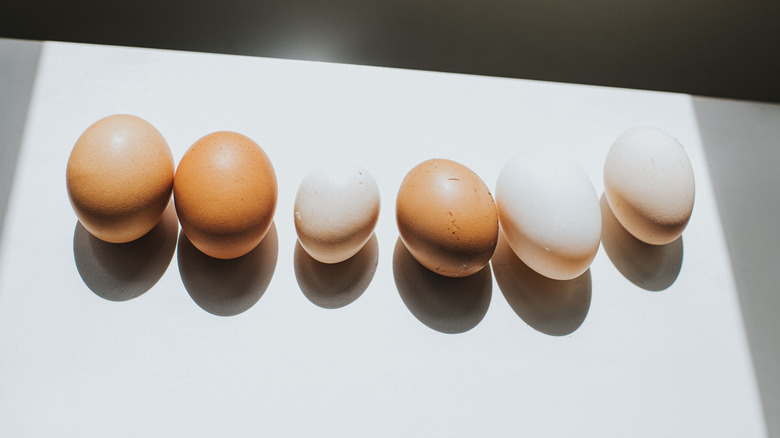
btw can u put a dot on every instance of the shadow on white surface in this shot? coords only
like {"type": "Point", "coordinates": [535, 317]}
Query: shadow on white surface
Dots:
{"type": "Point", "coordinates": [651, 267]}
{"type": "Point", "coordinates": [228, 287]}
{"type": "Point", "coordinates": [123, 271]}
{"type": "Point", "coordinates": [18, 70]}
{"type": "Point", "coordinates": [741, 141]}
{"type": "Point", "coordinates": [553, 307]}
{"type": "Point", "coordinates": [332, 286]}
{"type": "Point", "coordinates": [445, 304]}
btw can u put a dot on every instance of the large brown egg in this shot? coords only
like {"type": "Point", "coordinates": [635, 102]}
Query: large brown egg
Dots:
{"type": "Point", "coordinates": [447, 218]}
{"type": "Point", "coordinates": [119, 178]}
{"type": "Point", "coordinates": [225, 194]}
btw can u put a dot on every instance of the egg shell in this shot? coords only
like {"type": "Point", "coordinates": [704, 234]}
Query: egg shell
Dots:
{"type": "Point", "coordinates": [649, 184]}
{"type": "Point", "coordinates": [336, 210]}
{"type": "Point", "coordinates": [549, 213]}
{"type": "Point", "coordinates": [119, 178]}
{"type": "Point", "coordinates": [225, 194]}
{"type": "Point", "coordinates": [447, 218]}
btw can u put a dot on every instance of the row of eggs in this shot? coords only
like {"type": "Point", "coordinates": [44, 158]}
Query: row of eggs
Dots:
{"type": "Point", "coordinates": [121, 174]}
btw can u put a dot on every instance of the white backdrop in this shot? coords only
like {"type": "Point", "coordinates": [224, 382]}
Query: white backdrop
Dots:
{"type": "Point", "coordinates": [97, 341]}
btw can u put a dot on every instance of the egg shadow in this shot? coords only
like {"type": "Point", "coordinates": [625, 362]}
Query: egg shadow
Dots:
{"type": "Point", "coordinates": [123, 271]}
{"type": "Point", "coordinates": [553, 307]}
{"type": "Point", "coordinates": [332, 286]}
{"type": "Point", "coordinates": [445, 304]}
{"type": "Point", "coordinates": [651, 267]}
{"type": "Point", "coordinates": [228, 287]}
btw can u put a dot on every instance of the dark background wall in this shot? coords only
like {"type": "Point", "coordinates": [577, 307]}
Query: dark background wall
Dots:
{"type": "Point", "coordinates": [722, 48]}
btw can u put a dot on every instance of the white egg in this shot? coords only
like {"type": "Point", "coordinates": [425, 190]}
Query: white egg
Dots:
{"type": "Point", "coordinates": [549, 213]}
{"type": "Point", "coordinates": [649, 185]}
{"type": "Point", "coordinates": [336, 210]}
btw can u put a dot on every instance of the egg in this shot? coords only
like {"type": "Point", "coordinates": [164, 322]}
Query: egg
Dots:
{"type": "Point", "coordinates": [549, 213]}
{"type": "Point", "coordinates": [336, 210]}
{"type": "Point", "coordinates": [119, 178]}
{"type": "Point", "coordinates": [447, 218]}
{"type": "Point", "coordinates": [649, 185]}
{"type": "Point", "coordinates": [225, 194]}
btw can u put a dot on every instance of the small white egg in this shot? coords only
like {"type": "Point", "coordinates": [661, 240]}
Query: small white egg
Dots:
{"type": "Point", "coordinates": [549, 213]}
{"type": "Point", "coordinates": [336, 210]}
{"type": "Point", "coordinates": [649, 185]}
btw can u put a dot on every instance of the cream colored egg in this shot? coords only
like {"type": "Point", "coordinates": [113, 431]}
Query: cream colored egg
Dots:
{"type": "Point", "coordinates": [549, 213]}
{"type": "Point", "coordinates": [336, 210]}
{"type": "Point", "coordinates": [649, 185]}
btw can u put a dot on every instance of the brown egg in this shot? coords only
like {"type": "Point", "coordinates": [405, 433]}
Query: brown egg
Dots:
{"type": "Point", "coordinates": [225, 194]}
{"type": "Point", "coordinates": [119, 178]}
{"type": "Point", "coordinates": [447, 218]}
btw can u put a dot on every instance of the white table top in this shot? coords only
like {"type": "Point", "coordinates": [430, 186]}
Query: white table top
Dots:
{"type": "Point", "coordinates": [606, 358]}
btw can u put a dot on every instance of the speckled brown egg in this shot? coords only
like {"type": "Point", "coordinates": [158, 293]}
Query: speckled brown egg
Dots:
{"type": "Point", "coordinates": [119, 178]}
{"type": "Point", "coordinates": [225, 194]}
{"type": "Point", "coordinates": [447, 218]}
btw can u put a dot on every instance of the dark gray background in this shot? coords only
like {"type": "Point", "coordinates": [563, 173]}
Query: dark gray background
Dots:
{"type": "Point", "coordinates": [721, 48]}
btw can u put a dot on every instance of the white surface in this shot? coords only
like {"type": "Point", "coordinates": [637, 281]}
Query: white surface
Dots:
{"type": "Point", "coordinates": [741, 141]}
{"type": "Point", "coordinates": [668, 363]}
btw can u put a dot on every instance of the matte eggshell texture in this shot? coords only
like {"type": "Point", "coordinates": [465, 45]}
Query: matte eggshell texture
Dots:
{"type": "Point", "coordinates": [447, 218]}
{"type": "Point", "coordinates": [225, 194]}
{"type": "Point", "coordinates": [336, 210]}
{"type": "Point", "coordinates": [550, 215]}
{"type": "Point", "coordinates": [119, 178]}
{"type": "Point", "coordinates": [649, 185]}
